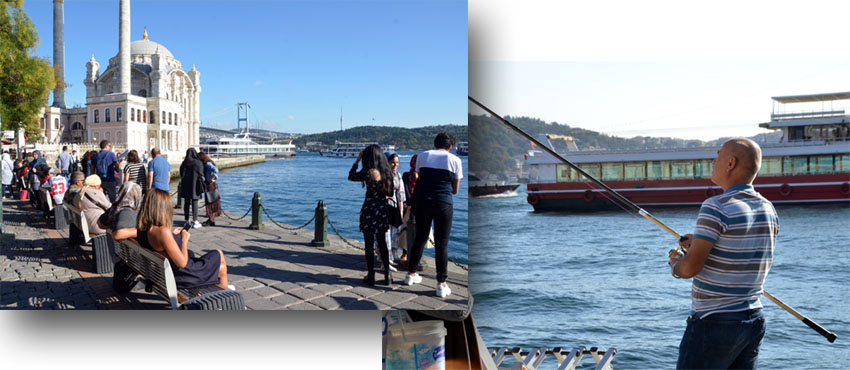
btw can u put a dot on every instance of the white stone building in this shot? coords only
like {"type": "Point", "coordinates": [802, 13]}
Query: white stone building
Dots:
{"type": "Point", "coordinates": [143, 98]}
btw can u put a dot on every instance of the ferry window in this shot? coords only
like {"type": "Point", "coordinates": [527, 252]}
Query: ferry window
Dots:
{"type": "Point", "coordinates": [702, 169]}
{"type": "Point", "coordinates": [823, 162]}
{"type": "Point", "coordinates": [658, 170]}
{"type": "Point", "coordinates": [842, 163]}
{"type": "Point", "coordinates": [612, 171]}
{"type": "Point", "coordinates": [106, 115]}
{"type": "Point", "coordinates": [566, 173]}
{"type": "Point", "coordinates": [795, 165]}
{"type": "Point", "coordinates": [592, 169]}
{"type": "Point", "coordinates": [771, 166]}
{"type": "Point", "coordinates": [682, 169]}
{"type": "Point", "coordinates": [634, 171]}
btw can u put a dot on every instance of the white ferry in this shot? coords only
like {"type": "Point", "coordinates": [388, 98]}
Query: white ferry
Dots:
{"type": "Point", "coordinates": [350, 150]}
{"type": "Point", "coordinates": [463, 148]}
{"type": "Point", "coordinates": [242, 145]}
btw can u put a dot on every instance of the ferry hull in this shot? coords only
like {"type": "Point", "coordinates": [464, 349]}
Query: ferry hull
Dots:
{"type": "Point", "coordinates": [482, 190]}
{"type": "Point", "coordinates": [577, 196]}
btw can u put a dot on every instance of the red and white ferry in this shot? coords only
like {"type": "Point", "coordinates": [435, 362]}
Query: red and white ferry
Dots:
{"type": "Point", "coordinates": [809, 165]}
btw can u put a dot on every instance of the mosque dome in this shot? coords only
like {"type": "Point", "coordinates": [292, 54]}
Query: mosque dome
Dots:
{"type": "Point", "coordinates": [148, 47]}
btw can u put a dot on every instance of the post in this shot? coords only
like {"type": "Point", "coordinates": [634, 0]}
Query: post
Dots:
{"type": "Point", "coordinates": [256, 216]}
{"type": "Point", "coordinates": [321, 238]}
{"type": "Point", "coordinates": [179, 198]}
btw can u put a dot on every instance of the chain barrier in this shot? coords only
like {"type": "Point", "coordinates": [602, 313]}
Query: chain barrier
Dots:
{"type": "Point", "coordinates": [237, 219]}
{"type": "Point", "coordinates": [286, 227]}
{"type": "Point", "coordinates": [340, 235]}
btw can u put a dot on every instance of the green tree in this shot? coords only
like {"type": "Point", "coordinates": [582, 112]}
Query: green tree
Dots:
{"type": "Point", "coordinates": [25, 79]}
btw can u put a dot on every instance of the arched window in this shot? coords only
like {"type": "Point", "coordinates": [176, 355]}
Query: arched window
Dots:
{"type": "Point", "coordinates": [132, 113]}
{"type": "Point", "coordinates": [77, 126]}
{"type": "Point", "coordinates": [107, 136]}
{"type": "Point", "coordinates": [96, 115]}
{"type": "Point", "coordinates": [169, 118]}
{"type": "Point", "coordinates": [106, 115]}
{"type": "Point", "coordinates": [43, 123]}
{"type": "Point", "coordinates": [118, 114]}
{"type": "Point", "coordinates": [56, 123]}
{"type": "Point", "coordinates": [153, 117]}
{"type": "Point", "coordinates": [118, 136]}
{"type": "Point", "coordinates": [144, 116]}
{"type": "Point", "coordinates": [164, 121]}
{"type": "Point", "coordinates": [143, 93]}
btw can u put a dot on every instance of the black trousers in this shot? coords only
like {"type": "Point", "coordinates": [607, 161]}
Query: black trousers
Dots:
{"type": "Point", "coordinates": [369, 239]}
{"type": "Point", "coordinates": [194, 203]}
{"type": "Point", "coordinates": [440, 214]}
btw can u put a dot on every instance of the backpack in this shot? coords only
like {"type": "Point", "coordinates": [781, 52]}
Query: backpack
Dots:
{"type": "Point", "coordinates": [101, 167]}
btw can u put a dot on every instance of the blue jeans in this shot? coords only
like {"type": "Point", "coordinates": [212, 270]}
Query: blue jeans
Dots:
{"type": "Point", "coordinates": [728, 340]}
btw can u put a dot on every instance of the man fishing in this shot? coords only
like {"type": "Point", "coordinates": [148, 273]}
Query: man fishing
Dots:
{"type": "Point", "coordinates": [729, 256]}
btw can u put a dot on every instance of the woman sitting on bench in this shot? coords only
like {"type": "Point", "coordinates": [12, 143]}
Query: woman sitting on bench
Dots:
{"type": "Point", "coordinates": [154, 232]}
{"type": "Point", "coordinates": [93, 202]}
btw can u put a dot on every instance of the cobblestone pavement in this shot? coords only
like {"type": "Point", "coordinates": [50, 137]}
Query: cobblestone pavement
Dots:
{"type": "Point", "coordinates": [272, 269]}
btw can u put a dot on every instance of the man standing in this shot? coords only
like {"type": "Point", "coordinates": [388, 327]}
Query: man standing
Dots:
{"type": "Point", "coordinates": [64, 162]}
{"type": "Point", "coordinates": [105, 164]}
{"type": "Point", "coordinates": [728, 255]}
{"type": "Point", "coordinates": [439, 178]}
{"type": "Point", "coordinates": [158, 171]}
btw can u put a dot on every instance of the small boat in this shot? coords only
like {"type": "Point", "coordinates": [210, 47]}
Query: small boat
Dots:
{"type": "Point", "coordinates": [242, 145]}
{"type": "Point", "coordinates": [479, 187]}
{"type": "Point", "coordinates": [463, 148]}
{"type": "Point", "coordinates": [350, 150]}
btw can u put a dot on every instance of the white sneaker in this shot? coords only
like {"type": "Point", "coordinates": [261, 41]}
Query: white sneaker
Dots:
{"type": "Point", "coordinates": [231, 287]}
{"type": "Point", "coordinates": [443, 291]}
{"type": "Point", "coordinates": [197, 225]}
{"type": "Point", "coordinates": [410, 280]}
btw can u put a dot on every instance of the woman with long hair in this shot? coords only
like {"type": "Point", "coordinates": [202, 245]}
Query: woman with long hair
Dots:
{"type": "Point", "coordinates": [154, 232]}
{"type": "Point", "coordinates": [135, 171]}
{"type": "Point", "coordinates": [396, 202]}
{"type": "Point", "coordinates": [212, 207]}
{"type": "Point", "coordinates": [376, 177]}
{"type": "Point", "coordinates": [191, 184]}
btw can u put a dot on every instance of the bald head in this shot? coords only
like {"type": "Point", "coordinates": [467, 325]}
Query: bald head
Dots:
{"type": "Point", "coordinates": [737, 162]}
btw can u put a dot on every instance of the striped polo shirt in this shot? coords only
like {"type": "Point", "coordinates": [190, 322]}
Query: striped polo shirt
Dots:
{"type": "Point", "coordinates": [743, 226]}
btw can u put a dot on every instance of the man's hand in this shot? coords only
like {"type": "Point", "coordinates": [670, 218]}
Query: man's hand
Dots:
{"type": "Point", "coordinates": [686, 243]}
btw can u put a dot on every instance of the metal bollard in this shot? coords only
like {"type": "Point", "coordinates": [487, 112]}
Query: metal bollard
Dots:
{"type": "Point", "coordinates": [179, 198]}
{"type": "Point", "coordinates": [321, 238]}
{"type": "Point", "coordinates": [256, 216]}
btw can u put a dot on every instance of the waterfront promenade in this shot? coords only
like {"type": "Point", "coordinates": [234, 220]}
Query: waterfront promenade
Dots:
{"type": "Point", "coordinates": [273, 269]}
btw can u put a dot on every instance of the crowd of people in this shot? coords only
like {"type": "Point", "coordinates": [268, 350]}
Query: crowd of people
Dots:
{"type": "Point", "coordinates": [402, 212]}
{"type": "Point", "coordinates": [118, 194]}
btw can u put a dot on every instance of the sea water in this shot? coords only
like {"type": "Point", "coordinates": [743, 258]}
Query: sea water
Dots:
{"type": "Point", "coordinates": [601, 279]}
{"type": "Point", "coordinates": [290, 190]}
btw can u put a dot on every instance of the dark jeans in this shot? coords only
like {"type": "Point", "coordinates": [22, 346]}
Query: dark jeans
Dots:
{"type": "Point", "coordinates": [728, 340]}
{"type": "Point", "coordinates": [441, 214]}
{"type": "Point", "coordinates": [9, 187]}
{"type": "Point", "coordinates": [194, 203]}
{"type": "Point", "coordinates": [109, 189]}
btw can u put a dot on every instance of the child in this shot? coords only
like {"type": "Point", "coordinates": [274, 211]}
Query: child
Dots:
{"type": "Point", "coordinates": [56, 184]}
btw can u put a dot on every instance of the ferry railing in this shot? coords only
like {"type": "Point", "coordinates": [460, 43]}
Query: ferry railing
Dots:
{"type": "Point", "coordinates": [807, 114]}
{"type": "Point", "coordinates": [567, 360]}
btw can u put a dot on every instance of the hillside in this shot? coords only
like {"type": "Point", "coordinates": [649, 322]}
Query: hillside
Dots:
{"type": "Point", "coordinates": [500, 147]}
{"type": "Point", "coordinates": [403, 138]}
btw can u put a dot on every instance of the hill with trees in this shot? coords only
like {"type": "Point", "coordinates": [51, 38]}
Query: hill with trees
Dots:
{"type": "Point", "coordinates": [403, 138]}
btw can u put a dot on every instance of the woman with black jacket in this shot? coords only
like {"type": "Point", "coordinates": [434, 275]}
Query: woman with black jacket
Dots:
{"type": "Point", "coordinates": [377, 177]}
{"type": "Point", "coordinates": [191, 184]}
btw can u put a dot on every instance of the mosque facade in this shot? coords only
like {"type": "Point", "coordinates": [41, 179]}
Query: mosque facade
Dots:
{"type": "Point", "coordinates": [142, 99]}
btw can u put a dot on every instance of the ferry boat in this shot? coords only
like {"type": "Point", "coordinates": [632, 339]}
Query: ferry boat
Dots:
{"type": "Point", "coordinates": [350, 150]}
{"type": "Point", "coordinates": [491, 186]}
{"type": "Point", "coordinates": [463, 148]}
{"type": "Point", "coordinates": [242, 145]}
{"type": "Point", "coordinates": [810, 164]}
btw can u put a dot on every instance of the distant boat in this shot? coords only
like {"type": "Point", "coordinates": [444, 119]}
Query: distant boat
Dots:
{"type": "Point", "coordinates": [478, 187]}
{"type": "Point", "coordinates": [242, 145]}
{"type": "Point", "coordinates": [463, 148]}
{"type": "Point", "coordinates": [350, 150]}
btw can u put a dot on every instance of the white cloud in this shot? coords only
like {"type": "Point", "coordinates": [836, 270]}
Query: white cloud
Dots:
{"type": "Point", "coordinates": [258, 83]}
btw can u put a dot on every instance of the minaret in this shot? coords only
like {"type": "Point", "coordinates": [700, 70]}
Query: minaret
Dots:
{"type": "Point", "coordinates": [124, 46]}
{"type": "Point", "coordinates": [59, 52]}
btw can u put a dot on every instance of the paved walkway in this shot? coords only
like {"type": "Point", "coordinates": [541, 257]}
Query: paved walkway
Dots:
{"type": "Point", "coordinates": [272, 269]}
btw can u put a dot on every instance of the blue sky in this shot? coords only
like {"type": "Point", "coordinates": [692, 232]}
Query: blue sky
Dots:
{"type": "Point", "coordinates": [403, 63]}
{"type": "Point", "coordinates": [655, 67]}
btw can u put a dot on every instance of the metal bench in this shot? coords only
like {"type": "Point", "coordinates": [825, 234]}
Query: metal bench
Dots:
{"type": "Point", "coordinates": [154, 270]}
{"type": "Point", "coordinates": [60, 218]}
{"type": "Point", "coordinates": [102, 245]}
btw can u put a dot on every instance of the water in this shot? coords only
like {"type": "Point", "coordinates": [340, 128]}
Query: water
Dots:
{"type": "Point", "coordinates": [601, 279]}
{"type": "Point", "coordinates": [290, 190]}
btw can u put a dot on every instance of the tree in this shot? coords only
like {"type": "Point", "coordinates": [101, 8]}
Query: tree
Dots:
{"type": "Point", "coordinates": [25, 79]}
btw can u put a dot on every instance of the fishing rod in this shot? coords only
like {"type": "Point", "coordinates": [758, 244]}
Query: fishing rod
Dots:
{"type": "Point", "coordinates": [830, 336]}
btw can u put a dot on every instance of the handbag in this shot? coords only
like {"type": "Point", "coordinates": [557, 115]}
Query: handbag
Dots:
{"type": "Point", "coordinates": [212, 196]}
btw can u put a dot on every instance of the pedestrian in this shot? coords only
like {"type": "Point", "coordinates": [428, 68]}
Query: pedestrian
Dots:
{"type": "Point", "coordinates": [93, 202]}
{"type": "Point", "coordinates": [439, 178]}
{"type": "Point", "coordinates": [159, 171]}
{"type": "Point", "coordinates": [123, 224]}
{"type": "Point", "coordinates": [85, 163]}
{"type": "Point", "coordinates": [134, 171]}
{"type": "Point", "coordinates": [106, 164]}
{"type": "Point", "coordinates": [191, 184]}
{"type": "Point", "coordinates": [212, 202]}
{"type": "Point", "coordinates": [407, 235]}
{"type": "Point", "coordinates": [396, 205]}
{"type": "Point", "coordinates": [154, 231]}
{"type": "Point", "coordinates": [56, 185]}
{"type": "Point", "coordinates": [20, 171]}
{"type": "Point", "coordinates": [376, 176]}
{"type": "Point", "coordinates": [7, 176]}
{"type": "Point", "coordinates": [729, 256]}
{"type": "Point", "coordinates": [35, 180]}
{"type": "Point", "coordinates": [64, 162]}
{"type": "Point", "coordinates": [145, 157]}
